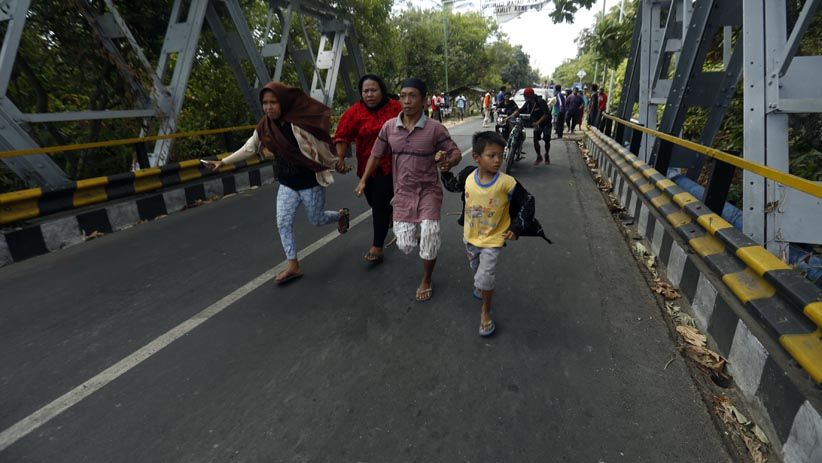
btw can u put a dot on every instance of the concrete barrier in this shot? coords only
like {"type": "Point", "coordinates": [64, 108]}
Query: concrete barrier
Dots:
{"type": "Point", "coordinates": [120, 202]}
{"type": "Point", "coordinates": [759, 313]}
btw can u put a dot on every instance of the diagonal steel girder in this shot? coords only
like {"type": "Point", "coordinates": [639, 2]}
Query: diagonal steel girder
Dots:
{"type": "Point", "coordinates": [171, 75]}
{"type": "Point", "coordinates": [630, 83]}
{"type": "Point", "coordinates": [239, 45]}
{"type": "Point", "coordinates": [35, 170]}
{"type": "Point", "coordinates": [691, 86]}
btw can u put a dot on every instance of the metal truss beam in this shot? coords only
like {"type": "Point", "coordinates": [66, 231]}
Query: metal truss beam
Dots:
{"type": "Point", "coordinates": [337, 37]}
{"type": "Point", "coordinates": [651, 45]}
{"type": "Point", "coordinates": [37, 170]}
{"type": "Point", "coordinates": [232, 57]}
{"type": "Point", "coordinates": [630, 83]}
{"type": "Point", "coordinates": [337, 53]}
{"type": "Point", "coordinates": [179, 48]}
{"type": "Point", "coordinates": [694, 87]}
{"type": "Point", "coordinates": [106, 29]}
{"type": "Point", "coordinates": [774, 215]}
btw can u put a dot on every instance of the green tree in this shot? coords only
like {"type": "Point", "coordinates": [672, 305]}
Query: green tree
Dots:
{"type": "Point", "coordinates": [519, 73]}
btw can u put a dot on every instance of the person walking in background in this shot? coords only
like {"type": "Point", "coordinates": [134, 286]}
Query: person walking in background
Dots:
{"type": "Point", "coordinates": [435, 108]}
{"type": "Point", "coordinates": [442, 105]}
{"type": "Point", "coordinates": [603, 102]}
{"type": "Point", "coordinates": [575, 109]}
{"type": "Point", "coordinates": [499, 100]}
{"type": "Point", "coordinates": [419, 147]}
{"type": "Point", "coordinates": [593, 106]}
{"type": "Point", "coordinates": [460, 102]}
{"type": "Point", "coordinates": [360, 124]}
{"type": "Point", "coordinates": [559, 110]}
{"type": "Point", "coordinates": [486, 109]}
{"type": "Point", "coordinates": [541, 118]}
{"type": "Point", "coordinates": [294, 130]}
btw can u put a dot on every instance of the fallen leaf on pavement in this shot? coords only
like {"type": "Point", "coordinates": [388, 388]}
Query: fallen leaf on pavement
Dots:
{"type": "Point", "coordinates": [694, 347]}
{"type": "Point", "coordinates": [665, 289]}
{"type": "Point", "coordinates": [692, 336]}
{"type": "Point", "coordinates": [678, 316]}
{"type": "Point", "coordinates": [92, 235]}
{"type": "Point", "coordinates": [760, 435]}
{"type": "Point", "coordinates": [640, 250]}
{"type": "Point", "coordinates": [742, 426]}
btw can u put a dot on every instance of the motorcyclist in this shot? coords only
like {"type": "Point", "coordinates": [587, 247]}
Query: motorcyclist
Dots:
{"type": "Point", "coordinates": [537, 107]}
{"type": "Point", "coordinates": [509, 106]}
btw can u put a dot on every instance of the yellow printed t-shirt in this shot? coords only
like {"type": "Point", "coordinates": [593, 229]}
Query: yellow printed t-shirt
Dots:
{"type": "Point", "coordinates": [486, 209]}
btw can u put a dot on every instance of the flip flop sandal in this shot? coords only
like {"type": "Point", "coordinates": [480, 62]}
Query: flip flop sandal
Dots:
{"type": "Point", "coordinates": [488, 330]}
{"type": "Point", "coordinates": [289, 277]}
{"type": "Point", "coordinates": [374, 259]}
{"type": "Point", "coordinates": [344, 222]}
{"type": "Point", "coordinates": [423, 295]}
{"type": "Point", "coordinates": [476, 293]}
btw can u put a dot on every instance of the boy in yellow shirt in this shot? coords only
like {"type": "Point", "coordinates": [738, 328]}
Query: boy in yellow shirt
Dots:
{"type": "Point", "coordinates": [496, 208]}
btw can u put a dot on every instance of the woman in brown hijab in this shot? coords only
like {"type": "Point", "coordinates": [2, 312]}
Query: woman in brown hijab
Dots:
{"type": "Point", "coordinates": [295, 132]}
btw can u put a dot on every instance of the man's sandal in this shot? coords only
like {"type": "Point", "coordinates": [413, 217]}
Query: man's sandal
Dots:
{"type": "Point", "coordinates": [344, 221]}
{"type": "Point", "coordinates": [373, 258]}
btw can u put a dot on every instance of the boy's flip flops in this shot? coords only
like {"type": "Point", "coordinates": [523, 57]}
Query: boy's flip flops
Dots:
{"type": "Point", "coordinates": [487, 330]}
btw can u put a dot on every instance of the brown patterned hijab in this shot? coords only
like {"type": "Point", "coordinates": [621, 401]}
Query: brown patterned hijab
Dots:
{"type": "Point", "coordinates": [298, 109]}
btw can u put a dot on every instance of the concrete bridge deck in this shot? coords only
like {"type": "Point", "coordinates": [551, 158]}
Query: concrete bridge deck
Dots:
{"type": "Point", "coordinates": [344, 365]}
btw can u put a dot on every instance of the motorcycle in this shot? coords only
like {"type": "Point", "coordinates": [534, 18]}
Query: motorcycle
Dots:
{"type": "Point", "coordinates": [503, 125]}
{"type": "Point", "coordinates": [513, 147]}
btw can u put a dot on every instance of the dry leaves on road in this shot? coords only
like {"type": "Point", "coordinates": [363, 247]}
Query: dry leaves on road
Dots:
{"type": "Point", "coordinates": [751, 434]}
{"type": "Point", "coordinates": [665, 289]}
{"type": "Point", "coordinates": [92, 235]}
{"type": "Point", "coordinates": [678, 316]}
{"type": "Point", "coordinates": [200, 202]}
{"type": "Point", "coordinates": [694, 346]}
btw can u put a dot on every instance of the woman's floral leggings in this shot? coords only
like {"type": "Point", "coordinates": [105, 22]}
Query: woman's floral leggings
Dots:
{"type": "Point", "coordinates": [288, 201]}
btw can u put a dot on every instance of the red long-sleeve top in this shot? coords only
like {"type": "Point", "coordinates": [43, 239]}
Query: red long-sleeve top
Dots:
{"type": "Point", "coordinates": [361, 126]}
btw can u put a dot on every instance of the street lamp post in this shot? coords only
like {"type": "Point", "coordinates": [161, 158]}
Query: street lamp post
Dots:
{"type": "Point", "coordinates": [446, 6]}
{"type": "Point", "coordinates": [446, 12]}
{"type": "Point", "coordinates": [596, 62]}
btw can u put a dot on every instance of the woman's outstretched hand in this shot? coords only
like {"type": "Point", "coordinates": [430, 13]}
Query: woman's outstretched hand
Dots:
{"type": "Point", "coordinates": [212, 165]}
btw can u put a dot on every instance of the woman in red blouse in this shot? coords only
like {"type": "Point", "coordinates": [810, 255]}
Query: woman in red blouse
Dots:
{"type": "Point", "coordinates": [361, 123]}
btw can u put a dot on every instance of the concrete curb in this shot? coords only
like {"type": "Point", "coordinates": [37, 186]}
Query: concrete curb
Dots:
{"type": "Point", "coordinates": [55, 232]}
{"type": "Point", "coordinates": [781, 394]}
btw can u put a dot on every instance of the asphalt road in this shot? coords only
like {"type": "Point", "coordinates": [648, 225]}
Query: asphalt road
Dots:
{"type": "Point", "coordinates": [343, 365]}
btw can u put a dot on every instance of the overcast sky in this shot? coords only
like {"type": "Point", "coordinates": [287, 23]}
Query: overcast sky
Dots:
{"type": "Point", "coordinates": [547, 44]}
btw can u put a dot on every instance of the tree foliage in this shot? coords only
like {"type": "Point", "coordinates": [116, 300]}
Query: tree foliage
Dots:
{"type": "Point", "coordinates": [565, 10]}
{"type": "Point", "coordinates": [62, 65]}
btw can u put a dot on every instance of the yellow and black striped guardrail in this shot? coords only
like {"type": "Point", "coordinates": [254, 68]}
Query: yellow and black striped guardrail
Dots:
{"type": "Point", "coordinates": [789, 305]}
{"type": "Point", "coordinates": [120, 142]}
{"type": "Point", "coordinates": [35, 202]}
{"type": "Point", "coordinates": [797, 183]}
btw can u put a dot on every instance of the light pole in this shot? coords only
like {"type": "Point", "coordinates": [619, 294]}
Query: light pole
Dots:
{"type": "Point", "coordinates": [446, 9]}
